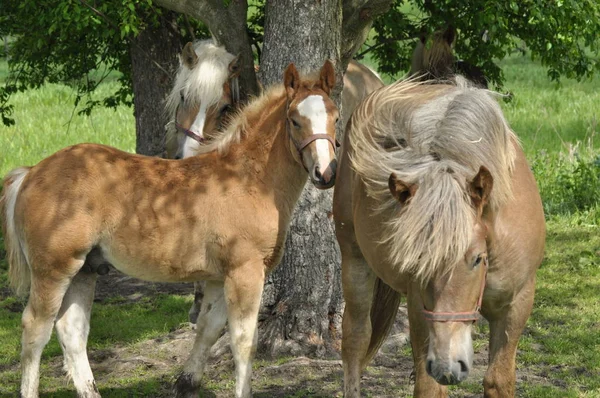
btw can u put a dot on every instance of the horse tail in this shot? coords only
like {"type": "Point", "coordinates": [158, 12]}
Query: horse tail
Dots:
{"type": "Point", "coordinates": [19, 274]}
{"type": "Point", "coordinates": [383, 314]}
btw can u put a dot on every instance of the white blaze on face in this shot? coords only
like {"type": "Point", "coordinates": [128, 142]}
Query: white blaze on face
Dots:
{"type": "Point", "coordinates": [313, 108]}
{"type": "Point", "coordinates": [190, 145]}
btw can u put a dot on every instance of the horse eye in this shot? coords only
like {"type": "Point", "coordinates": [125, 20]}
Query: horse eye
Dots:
{"type": "Point", "coordinates": [225, 108]}
{"type": "Point", "coordinates": [295, 124]}
{"type": "Point", "coordinates": [337, 119]}
{"type": "Point", "coordinates": [478, 261]}
{"type": "Point", "coordinates": [181, 96]}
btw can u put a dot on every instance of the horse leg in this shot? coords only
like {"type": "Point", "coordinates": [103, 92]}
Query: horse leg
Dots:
{"type": "Point", "coordinates": [210, 323]}
{"type": "Point", "coordinates": [72, 328]}
{"type": "Point", "coordinates": [45, 299]}
{"type": "Point", "coordinates": [198, 295]}
{"type": "Point", "coordinates": [425, 385]}
{"type": "Point", "coordinates": [243, 291]}
{"type": "Point", "coordinates": [358, 283]}
{"type": "Point", "coordinates": [505, 330]}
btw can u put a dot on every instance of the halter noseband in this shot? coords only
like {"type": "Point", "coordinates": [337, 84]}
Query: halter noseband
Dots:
{"type": "Point", "coordinates": [189, 133]}
{"type": "Point", "coordinates": [460, 316]}
{"type": "Point", "coordinates": [235, 98]}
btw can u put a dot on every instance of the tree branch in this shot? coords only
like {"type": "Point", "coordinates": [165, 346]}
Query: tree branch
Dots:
{"type": "Point", "coordinates": [358, 16]}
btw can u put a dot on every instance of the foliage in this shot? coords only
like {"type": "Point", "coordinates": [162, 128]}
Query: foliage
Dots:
{"type": "Point", "coordinates": [75, 43]}
{"type": "Point", "coordinates": [562, 34]}
{"type": "Point", "coordinates": [568, 183]}
{"type": "Point", "coordinates": [79, 43]}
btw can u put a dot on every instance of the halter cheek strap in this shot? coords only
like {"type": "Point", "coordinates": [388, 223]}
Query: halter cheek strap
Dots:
{"type": "Point", "coordinates": [460, 316]}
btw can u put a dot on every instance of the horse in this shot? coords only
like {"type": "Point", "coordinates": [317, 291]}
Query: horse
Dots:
{"type": "Point", "coordinates": [221, 216]}
{"type": "Point", "coordinates": [359, 81]}
{"type": "Point", "coordinates": [434, 199]}
{"type": "Point", "coordinates": [435, 60]}
{"type": "Point", "coordinates": [205, 93]}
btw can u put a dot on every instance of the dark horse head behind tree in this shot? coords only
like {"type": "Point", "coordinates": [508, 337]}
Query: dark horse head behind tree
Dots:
{"type": "Point", "coordinates": [433, 59]}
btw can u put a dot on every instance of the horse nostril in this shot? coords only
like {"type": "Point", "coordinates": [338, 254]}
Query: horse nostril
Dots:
{"type": "Point", "coordinates": [317, 173]}
{"type": "Point", "coordinates": [463, 367]}
{"type": "Point", "coordinates": [177, 157]}
{"type": "Point", "coordinates": [429, 367]}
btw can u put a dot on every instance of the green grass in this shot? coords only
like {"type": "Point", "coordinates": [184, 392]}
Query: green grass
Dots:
{"type": "Point", "coordinates": [562, 338]}
{"type": "Point", "coordinates": [46, 121]}
{"type": "Point", "coordinates": [548, 116]}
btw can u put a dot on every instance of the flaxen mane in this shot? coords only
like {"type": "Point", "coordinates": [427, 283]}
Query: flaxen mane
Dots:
{"type": "Point", "coordinates": [203, 83]}
{"type": "Point", "coordinates": [239, 123]}
{"type": "Point", "coordinates": [435, 136]}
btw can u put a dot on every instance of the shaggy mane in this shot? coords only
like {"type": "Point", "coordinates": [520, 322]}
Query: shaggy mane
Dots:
{"type": "Point", "coordinates": [436, 136]}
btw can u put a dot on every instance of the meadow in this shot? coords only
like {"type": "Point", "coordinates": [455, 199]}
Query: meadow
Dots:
{"type": "Point", "coordinates": [559, 353]}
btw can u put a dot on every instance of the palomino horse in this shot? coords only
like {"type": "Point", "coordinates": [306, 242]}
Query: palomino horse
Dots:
{"type": "Point", "coordinates": [205, 91]}
{"type": "Point", "coordinates": [359, 81]}
{"type": "Point", "coordinates": [221, 216]}
{"type": "Point", "coordinates": [434, 199]}
{"type": "Point", "coordinates": [435, 60]}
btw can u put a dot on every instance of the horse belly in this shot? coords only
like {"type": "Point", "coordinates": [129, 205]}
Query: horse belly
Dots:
{"type": "Point", "coordinates": [164, 267]}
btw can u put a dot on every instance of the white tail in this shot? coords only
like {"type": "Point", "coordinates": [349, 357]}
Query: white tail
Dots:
{"type": "Point", "coordinates": [18, 271]}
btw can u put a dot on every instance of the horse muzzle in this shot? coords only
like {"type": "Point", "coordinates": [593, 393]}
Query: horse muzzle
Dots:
{"type": "Point", "coordinates": [450, 373]}
{"type": "Point", "coordinates": [324, 179]}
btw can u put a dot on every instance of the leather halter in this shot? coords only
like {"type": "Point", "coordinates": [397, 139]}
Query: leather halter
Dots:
{"type": "Point", "coordinates": [460, 316]}
{"type": "Point", "coordinates": [189, 133]}
{"type": "Point", "coordinates": [300, 146]}
{"type": "Point", "coordinates": [235, 98]}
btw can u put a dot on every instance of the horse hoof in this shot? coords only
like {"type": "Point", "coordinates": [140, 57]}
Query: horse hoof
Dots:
{"type": "Point", "coordinates": [185, 386]}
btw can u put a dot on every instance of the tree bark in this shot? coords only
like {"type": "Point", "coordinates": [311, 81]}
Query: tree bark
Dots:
{"type": "Point", "coordinates": [302, 302]}
{"type": "Point", "coordinates": [154, 60]}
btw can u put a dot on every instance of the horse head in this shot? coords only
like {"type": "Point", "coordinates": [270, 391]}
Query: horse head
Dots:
{"type": "Point", "coordinates": [205, 92]}
{"type": "Point", "coordinates": [311, 120]}
{"type": "Point", "coordinates": [452, 298]}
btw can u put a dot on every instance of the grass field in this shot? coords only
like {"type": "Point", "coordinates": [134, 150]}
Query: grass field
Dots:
{"type": "Point", "coordinates": [559, 353]}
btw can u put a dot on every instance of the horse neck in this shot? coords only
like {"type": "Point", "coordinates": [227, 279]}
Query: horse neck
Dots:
{"type": "Point", "coordinates": [264, 155]}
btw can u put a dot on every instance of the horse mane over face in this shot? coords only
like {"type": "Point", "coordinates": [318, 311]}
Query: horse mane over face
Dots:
{"type": "Point", "coordinates": [437, 137]}
{"type": "Point", "coordinates": [204, 81]}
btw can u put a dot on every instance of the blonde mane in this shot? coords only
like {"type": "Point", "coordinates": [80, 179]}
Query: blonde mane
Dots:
{"type": "Point", "coordinates": [238, 124]}
{"type": "Point", "coordinates": [204, 82]}
{"type": "Point", "coordinates": [435, 136]}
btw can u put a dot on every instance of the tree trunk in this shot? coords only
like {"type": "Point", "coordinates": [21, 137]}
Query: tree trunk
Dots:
{"type": "Point", "coordinates": [302, 302]}
{"type": "Point", "coordinates": [154, 60]}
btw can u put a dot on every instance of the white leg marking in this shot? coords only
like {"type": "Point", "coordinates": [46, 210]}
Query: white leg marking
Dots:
{"type": "Point", "coordinates": [72, 328]}
{"type": "Point", "coordinates": [210, 323]}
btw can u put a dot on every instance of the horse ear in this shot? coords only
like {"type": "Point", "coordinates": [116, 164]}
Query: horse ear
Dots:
{"type": "Point", "coordinates": [189, 56]}
{"type": "Point", "coordinates": [449, 35]}
{"type": "Point", "coordinates": [400, 189]}
{"type": "Point", "coordinates": [291, 80]}
{"type": "Point", "coordinates": [327, 77]}
{"type": "Point", "coordinates": [480, 188]}
{"type": "Point", "coordinates": [234, 68]}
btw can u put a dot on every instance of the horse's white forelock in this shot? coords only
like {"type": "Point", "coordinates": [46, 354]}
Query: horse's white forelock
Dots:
{"type": "Point", "coordinates": [204, 82]}
{"type": "Point", "coordinates": [435, 136]}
